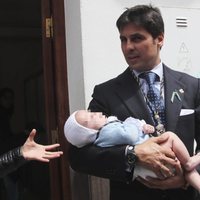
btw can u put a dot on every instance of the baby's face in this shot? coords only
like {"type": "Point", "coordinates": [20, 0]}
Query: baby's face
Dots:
{"type": "Point", "coordinates": [93, 120]}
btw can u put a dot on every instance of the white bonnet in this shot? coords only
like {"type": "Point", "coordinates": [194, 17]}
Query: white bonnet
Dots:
{"type": "Point", "coordinates": [77, 134]}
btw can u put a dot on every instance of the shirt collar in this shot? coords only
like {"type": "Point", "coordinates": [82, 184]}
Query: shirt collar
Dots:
{"type": "Point", "coordinates": [158, 69]}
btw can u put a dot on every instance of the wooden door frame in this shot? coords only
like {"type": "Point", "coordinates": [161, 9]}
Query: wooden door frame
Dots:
{"type": "Point", "coordinates": [56, 94]}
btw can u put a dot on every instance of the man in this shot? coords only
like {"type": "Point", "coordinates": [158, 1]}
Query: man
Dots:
{"type": "Point", "coordinates": [141, 30]}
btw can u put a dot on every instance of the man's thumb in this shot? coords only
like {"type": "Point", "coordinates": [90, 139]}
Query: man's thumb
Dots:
{"type": "Point", "coordinates": [162, 138]}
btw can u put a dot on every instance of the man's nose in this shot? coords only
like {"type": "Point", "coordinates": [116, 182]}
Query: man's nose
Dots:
{"type": "Point", "coordinates": [130, 45]}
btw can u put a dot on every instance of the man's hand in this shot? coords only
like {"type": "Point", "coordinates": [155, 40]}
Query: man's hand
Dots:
{"type": "Point", "coordinates": [176, 181]}
{"type": "Point", "coordinates": [156, 157]}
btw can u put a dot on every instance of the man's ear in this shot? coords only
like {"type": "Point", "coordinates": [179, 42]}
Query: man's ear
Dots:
{"type": "Point", "coordinates": [160, 39]}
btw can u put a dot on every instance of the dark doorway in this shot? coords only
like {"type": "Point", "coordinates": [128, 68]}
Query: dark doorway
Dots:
{"type": "Point", "coordinates": [21, 70]}
{"type": "Point", "coordinates": [33, 66]}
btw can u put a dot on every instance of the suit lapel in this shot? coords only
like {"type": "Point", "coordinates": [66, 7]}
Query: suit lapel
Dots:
{"type": "Point", "coordinates": [129, 92]}
{"type": "Point", "coordinates": [127, 89]}
{"type": "Point", "coordinates": [173, 98]}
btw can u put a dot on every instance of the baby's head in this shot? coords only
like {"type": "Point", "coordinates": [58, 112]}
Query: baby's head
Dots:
{"type": "Point", "coordinates": [81, 127]}
{"type": "Point", "coordinates": [93, 120]}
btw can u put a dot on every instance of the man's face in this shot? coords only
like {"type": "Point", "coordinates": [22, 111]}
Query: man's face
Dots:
{"type": "Point", "coordinates": [140, 49]}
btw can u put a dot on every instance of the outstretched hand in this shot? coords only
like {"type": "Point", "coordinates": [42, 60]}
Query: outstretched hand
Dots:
{"type": "Point", "coordinates": [34, 151]}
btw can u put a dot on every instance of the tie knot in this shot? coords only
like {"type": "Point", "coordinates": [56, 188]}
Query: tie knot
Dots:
{"type": "Point", "coordinates": [150, 77]}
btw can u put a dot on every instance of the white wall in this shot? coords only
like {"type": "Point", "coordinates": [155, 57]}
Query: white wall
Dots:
{"type": "Point", "coordinates": [181, 43]}
{"type": "Point", "coordinates": [74, 54]}
{"type": "Point", "coordinates": [94, 55]}
{"type": "Point", "coordinates": [93, 46]}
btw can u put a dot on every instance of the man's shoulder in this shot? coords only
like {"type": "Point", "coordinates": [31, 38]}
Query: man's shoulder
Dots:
{"type": "Point", "coordinates": [178, 74]}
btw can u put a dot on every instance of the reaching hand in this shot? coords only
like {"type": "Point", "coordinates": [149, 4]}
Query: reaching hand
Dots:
{"type": "Point", "coordinates": [33, 151]}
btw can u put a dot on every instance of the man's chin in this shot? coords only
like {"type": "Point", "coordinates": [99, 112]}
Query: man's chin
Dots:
{"type": "Point", "coordinates": [135, 67]}
{"type": "Point", "coordinates": [139, 68]}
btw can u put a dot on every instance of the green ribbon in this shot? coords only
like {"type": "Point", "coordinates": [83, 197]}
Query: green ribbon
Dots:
{"type": "Point", "coordinates": [175, 94]}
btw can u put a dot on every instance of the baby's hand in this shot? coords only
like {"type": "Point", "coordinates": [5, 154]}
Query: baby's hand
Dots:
{"type": "Point", "coordinates": [147, 128]}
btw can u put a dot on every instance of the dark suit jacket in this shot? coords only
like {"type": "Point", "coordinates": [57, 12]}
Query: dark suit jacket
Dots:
{"type": "Point", "coordinates": [122, 97]}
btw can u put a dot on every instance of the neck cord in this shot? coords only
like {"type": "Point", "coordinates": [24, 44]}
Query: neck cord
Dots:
{"type": "Point", "coordinates": [159, 126]}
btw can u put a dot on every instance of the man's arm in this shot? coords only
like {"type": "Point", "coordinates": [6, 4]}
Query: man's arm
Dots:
{"type": "Point", "coordinates": [111, 162]}
{"type": "Point", "coordinates": [102, 162]}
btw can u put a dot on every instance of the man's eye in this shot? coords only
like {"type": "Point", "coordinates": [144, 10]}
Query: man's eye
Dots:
{"type": "Point", "coordinates": [137, 39]}
{"type": "Point", "coordinates": [123, 39]}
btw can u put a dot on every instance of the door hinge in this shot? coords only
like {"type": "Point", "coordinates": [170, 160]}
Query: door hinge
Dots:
{"type": "Point", "coordinates": [49, 27]}
{"type": "Point", "coordinates": [54, 135]}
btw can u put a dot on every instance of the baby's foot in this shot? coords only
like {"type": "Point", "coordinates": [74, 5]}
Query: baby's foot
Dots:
{"type": "Point", "coordinates": [193, 162]}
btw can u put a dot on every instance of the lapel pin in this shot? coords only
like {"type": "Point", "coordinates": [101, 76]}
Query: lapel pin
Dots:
{"type": "Point", "coordinates": [176, 94]}
{"type": "Point", "coordinates": [181, 91]}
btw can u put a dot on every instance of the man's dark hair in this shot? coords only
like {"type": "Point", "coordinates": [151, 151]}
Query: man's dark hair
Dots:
{"type": "Point", "coordinates": [145, 16]}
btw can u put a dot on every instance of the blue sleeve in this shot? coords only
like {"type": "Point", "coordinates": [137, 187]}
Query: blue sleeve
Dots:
{"type": "Point", "coordinates": [117, 133]}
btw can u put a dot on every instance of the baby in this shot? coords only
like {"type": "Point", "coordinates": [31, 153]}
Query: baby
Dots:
{"type": "Point", "coordinates": [84, 127]}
